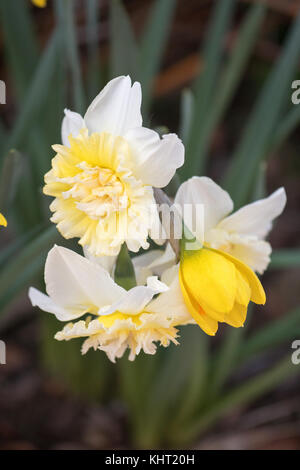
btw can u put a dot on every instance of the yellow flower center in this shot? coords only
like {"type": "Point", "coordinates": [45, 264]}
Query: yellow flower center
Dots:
{"type": "Point", "coordinates": [108, 320]}
{"type": "Point", "coordinates": [98, 191]}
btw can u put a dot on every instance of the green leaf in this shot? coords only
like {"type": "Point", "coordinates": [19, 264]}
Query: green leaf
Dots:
{"type": "Point", "coordinates": [20, 42]}
{"type": "Point", "coordinates": [124, 272]}
{"type": "Point", "coordinates": [166, 390]}
{"type": "Point", "coordinates": [229, 80]}
{"type": "Point", "coordinates": [68, 31]}
{"type": "Point", "coordinates": [287, 258]}
{"type": "Point", "coordinates": [12, 248]}
{"type": "Point", "coordinates": [260, 190]}
{"type": "Point", "coordinates": [10, 174]}
{"type": "Point", "coordinates": [94, 62]}
{"type": "Point", "coordinates": [36, 94]}
{"type": "Point", "coordinates": [240, 396]}
{"type": "Point", "coordinates": [153, 45]}
{"type": "Point", "coordinates": [197, 382]}
{"type": "Point", "coordinates": [124, 49]}
{"type": "Point", "coordinates": [186, 114]}
{"type": "Point", "coordinates": [284, 128]}
{"type": "Point", "coordinates": [226, 357]}
{"type": "Point", "coordinates": [286, 328]}
{"type": "Point", "coordinates": [86, 376]}
{"type": "Point", "coordinates": [205, 86]}
{"type": "Point", "coordinates": [22, 57]}
{"type": "Point", "coordinates": [263, 121]}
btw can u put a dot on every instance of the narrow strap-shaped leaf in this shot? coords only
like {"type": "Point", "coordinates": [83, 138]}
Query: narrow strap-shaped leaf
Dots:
{"type": "Point", "coordinates": [205, 85]}
{"type": "Point", "coordinates": [94, 62]}
{"type": "Point", "coordinates": [263, 120]}
{"type": "Point", "coordinates": [229, 80]}
{"type": "Point", "coordinates": [186, 115]}
{"type": "Point", "coordinates": [15, 246]}
{"type": "Point", "coordinates": [241, 395]}
{"type": "Point", "coordinates": [225, 361]}
{"type": "Point", "coordinates": [11, 170]}
{"type": "Point", "coordinates": [68, 21]}
{"type": "Point", "coordinates": [20, 42]}
{"type": "Point", "coordinates": [153, 45]}
{"type": "Point", "coordinates": [286, 328]}
{"type": "Point", "coordinates": [284, 128]}
{"type": "Point", "coordinates": [124, 49]}
{"type": "Point", "coordinates": [285, 258]}
{"type": "Point", "coordinates": [36, 93]}
{"type": "Point", "coordinates": [197, 382]}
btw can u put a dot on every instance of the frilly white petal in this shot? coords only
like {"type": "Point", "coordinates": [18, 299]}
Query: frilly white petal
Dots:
{"type": "Point", "coordinates": [203, 192]}
{"type": "Point", "coordinates": [72, 124]}
{"type": "Point", "coordinates": [72, 281]}
{"type": "Point", "coordinates": [256, 218]}
{"type": "Point", "coordinates": [135, 300]}
{"type": "Point", "coordinates": [45, 303]}
{"type": "Point", "coordinates": [156, 160]}
{"type": "Point", "coordinates": [123, 334]}
{"type": "Point", "coordinates": [116, 109]}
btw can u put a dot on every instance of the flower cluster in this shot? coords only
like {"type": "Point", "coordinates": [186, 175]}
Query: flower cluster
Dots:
{"type": "Point", "coordinates": [103, 181]}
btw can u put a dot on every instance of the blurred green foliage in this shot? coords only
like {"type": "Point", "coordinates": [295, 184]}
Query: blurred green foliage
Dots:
{"type": "Point", "coordinates": [177, 394]}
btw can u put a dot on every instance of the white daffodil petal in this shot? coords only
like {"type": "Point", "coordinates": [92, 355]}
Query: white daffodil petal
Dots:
{"type": "Point", "coordinates": [154, 262]}
{"type": "Point", "coordinates": [253, 252]}
{"type": "Point", "coordinates": [156, 160]}
{"type": "Point", "coordinates": [171, 303]}
{"type": "Point", "coordinates": [203, 192]}
{"type": "Point", "coordinates": [71, 125]}
{"type": "Point", "coordinates": [45, 303]}
{"type": "Point", "coordinates": [135, 300]}
{"type": "Point", "coordinates": [256, 218]}
{"type": "Point", "coordinates": [72, 280]}
{"type": "Point", "coordinates": [79, 329]}
{"type": "Point", "coordinates": [107, 262]}
{"type": "Point", "coordinates": [170, 274]}
{"type": "Point", "coordinates": [142, 264]}
{"type": "Point", "coordinates": [164, 261]}
{"type": "Point", "coordinates": [116, 109]}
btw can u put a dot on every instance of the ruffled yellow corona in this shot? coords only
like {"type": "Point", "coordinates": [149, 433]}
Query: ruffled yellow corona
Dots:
{"type": "Point", "coordinates": [217, 287]}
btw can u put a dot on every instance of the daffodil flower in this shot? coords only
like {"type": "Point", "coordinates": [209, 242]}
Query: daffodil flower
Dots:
{"type": "Point", "coordinates": [118, 319]}
{"type": "Point", "coordinates": [39, 3]}
{"type": "Point", "coordinates": [217, 287]}
{"type": "Point", "coordinates": [3, 221]}
{"type": "Point", "coordinates": [214, 286]}
{"type": "Point", "coordinates": [241, 234]}
{"type": "Point", "coordinates": [103, 175]}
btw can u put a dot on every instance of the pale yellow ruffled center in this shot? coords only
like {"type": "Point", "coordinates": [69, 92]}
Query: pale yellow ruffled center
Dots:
{"type": "Point", "coordinates": [99, 192]}
{"type": "Point", "coordinates": [98, 196]}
